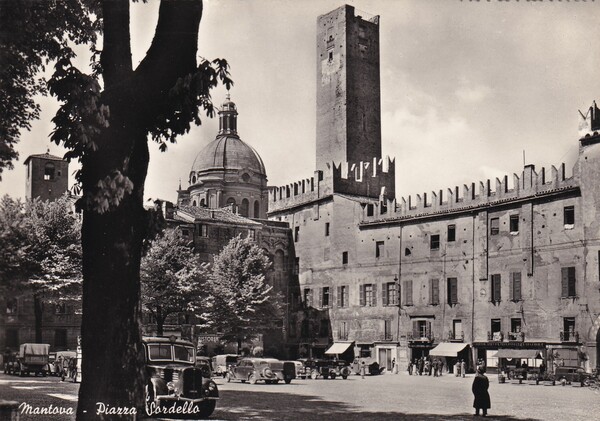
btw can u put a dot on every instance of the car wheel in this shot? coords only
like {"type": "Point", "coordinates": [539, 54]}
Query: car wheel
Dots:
{"type": "Point", "coordinates": [586, 382]}
{"type": "Point", "coordinates": [333, 376]}
{"type": "Point", "coordinates": [207, 408]}
{"type": "Point", "coordinates": [288, 380]}
{"type": "Point", "coordinates": [563, 381]}
{"type": "Point", "coordinates": [228, 378]}
{"type": "Point", "coordinates": [325, 376]}
{"type": "Point", "coordinates": [252, 379]}
{"type": "Point", "coordinates": [275, 381]}
{"type": "Point", "coordinates": [314, 375]}
{"type": "Point", "coordinates": [344, 377]}
{"type": "Point", "coordinates": [268, 381]}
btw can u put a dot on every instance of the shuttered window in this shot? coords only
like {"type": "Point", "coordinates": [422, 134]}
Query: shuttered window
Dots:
{"type": "Point", "coordinates": [515, 286]}
{"type": "Point", "coordinates": [496, 284]}
{"type": "Point", "coordinates": [342, 296]}
{"type": "Point", "coordinates": [408, 293]}
{"type": "Point", "coordinates": [368, 295]}
{"type": "Point", "coordinates": [452, 291]}
{"type": "Point", "coordinates": [434, 291]}
{"type": "Point", "coordinates": [568, 282]}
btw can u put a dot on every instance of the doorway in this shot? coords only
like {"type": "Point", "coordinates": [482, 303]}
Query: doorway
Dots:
{"type": "Point", "coordinates": [385, 358]}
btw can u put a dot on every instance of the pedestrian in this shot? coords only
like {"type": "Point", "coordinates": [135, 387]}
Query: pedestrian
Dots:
{"type": "Point", "coordinates": [480, 392]}
{"type": "Point", "coordinates": [463, 368]}
{"type": "Point", "coordinates": [393, 364]}
{"type": "Point", "coordinates": [416, 367]}
{"type": "Point", "coordinates": [427, 367]}
{"type": "Point", "coordinates": [441, 369]}
{"type": "Point", "coordinates": [410, 367]}
{"type": "Point", "coordinates": [436, 368]}
{"type": "Point", "coordinates": [456, 369]}
{"type": "Point", "coordinates": [421, 366]}
{"type": "Point", "coordinates": [363, 369]}
{"type": "Point", "coordinates": [542, 369]}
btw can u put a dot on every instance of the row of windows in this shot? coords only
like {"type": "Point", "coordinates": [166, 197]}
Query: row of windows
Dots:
{"type": "Point", "coordinates": [12, 308]}
{"type": "Point", "coordinates": [390, 292]}
{"type": "Point", "coordinates": [13, 340]}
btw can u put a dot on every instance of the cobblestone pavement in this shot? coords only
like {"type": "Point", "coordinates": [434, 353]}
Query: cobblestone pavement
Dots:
{"type": "Point", "coordinates": [386, 397]}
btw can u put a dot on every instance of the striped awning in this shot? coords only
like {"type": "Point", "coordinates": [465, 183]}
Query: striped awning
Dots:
{"type": "Point", "coordinates": [338, 348]}
{"type": "Point", "coordinates": [447, 349]}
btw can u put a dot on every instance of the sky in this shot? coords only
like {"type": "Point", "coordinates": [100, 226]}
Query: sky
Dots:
{"type": "Point", "coordinates": [468, 89]}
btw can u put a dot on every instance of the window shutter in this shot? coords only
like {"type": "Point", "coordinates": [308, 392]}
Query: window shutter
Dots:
{"type": "Point", "coordinates": [431, 291]}
{"type": "Point", "coordinates": [345, 293]}
{"type": "Point", "coordinates": [362, 295]}
{"type": "Point", "coordinates": [453, 290]}
{"type": "Point", "coordinates": [428, 329]}
{"type": "Point", "coordinates": [436, 291]}
{"type": "Point", "coordinates": [517, 286]}
{"type": "Point", "coordinates": [374, 304]}
{"type": "Point", "coordinates": [339, 296]}
{"type": "Point", "coordinates": [564, 282]}
{"type": "Point", "coordinates": [409, 297]}
{"type": "Point", "coordinates": [416, 333]}
{"type": "Point", "coordinates": [320, 297]}
{"type": "Point", "coordinates": [496, 287]}
{"type": "Point", "coordinates": [572, 292]}
{"type": "Point", "coordinates": [384, 295]}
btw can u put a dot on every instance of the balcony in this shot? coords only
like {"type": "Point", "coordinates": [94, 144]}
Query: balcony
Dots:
{"type": "Point", "coordinates": [516, 336]}
{"type": "Point", "coordinates": [386, 337]}
{"type": "Point", "coordinates": [419, 336]}
{"type": "Point", "coordinates": [569, 336]}
{"type": "Point", "coordinates": [495, 336]}
{"type": "Point", "coordinates": [456, 336]}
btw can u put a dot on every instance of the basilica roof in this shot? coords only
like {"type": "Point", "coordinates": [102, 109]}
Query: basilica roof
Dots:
{"type": "Point", "coordinates": [228, 151]}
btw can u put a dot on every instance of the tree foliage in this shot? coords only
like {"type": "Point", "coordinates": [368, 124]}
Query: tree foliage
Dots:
{"type": "Point", "coordinates": [243, 304]}
{"type": "Point", "coordinates": [172, 278]}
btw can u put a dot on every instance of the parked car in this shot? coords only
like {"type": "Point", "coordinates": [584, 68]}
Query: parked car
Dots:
{"type": "Point", "coordinates": [571, 374]}
{"type": "Point", "coordinates": [268, 370]}
{"type": "Point", "coordinates": [300, 370]}
{"type": "Point", "coordinates": [205, 364]}
{"type": "Point", "coordinates": [9, 359]}
{"type": "Point", "coordinates": [221, 363]}
{"type": "Point", "coordinates": [175, 381]}
{"type": "Point", "coordinates": [32, 358]}
{"type": "Point", "coordinates": [328, 369]}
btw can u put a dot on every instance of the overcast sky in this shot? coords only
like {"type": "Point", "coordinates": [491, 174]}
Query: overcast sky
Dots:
{"type": "Point", "coordinates": [465, 87]}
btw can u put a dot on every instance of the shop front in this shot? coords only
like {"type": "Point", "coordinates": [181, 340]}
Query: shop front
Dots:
{"type": "Point", "coordinates": [512, 351]}
{"type": "Point", "coordinates": [451, 353]}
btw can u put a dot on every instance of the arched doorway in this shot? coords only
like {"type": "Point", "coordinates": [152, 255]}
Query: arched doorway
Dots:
{"type": "Point", "coordinates": [244, 207]}
{"type": "Point", "coordinates": [256, 209]}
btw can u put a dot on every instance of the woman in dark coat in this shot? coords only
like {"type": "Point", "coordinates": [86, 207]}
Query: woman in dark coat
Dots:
{"type": "Point", "coordinates": [480, 391]}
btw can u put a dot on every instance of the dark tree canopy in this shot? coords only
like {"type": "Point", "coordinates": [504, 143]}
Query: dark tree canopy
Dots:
{"type": "Point", "coordinates": [105, 120]}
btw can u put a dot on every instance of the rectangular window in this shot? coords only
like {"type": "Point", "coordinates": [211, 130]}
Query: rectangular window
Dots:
{"type": "Point", "coordinates": [434, 291]}
{"type": "Point", "coordinates": [203, 230]}
{"type": "Point", "coordinates": [451, 233]}
{"type": "Point", "coordinates": [568, 282]}
{"type": "Point", "coordinates": [252, 234]}
{"type": "Point", "coordinates": [496, 285]}
{"type": "Point", "coordinates": [421, 329]}
{"type": "Point", "coordinates": [344, 258]}
{"type": "Point", "coordinates": [296, 234]}
{"type": "Point", "coordinates": [569, 216]}
{"type": "Point", "coordinates": [343, 331]}
{"type": "Point", "coordinates": [515, 325]}
{"type": "Point", "coordinates": [307, 297]}
{"type": "Point", "coordinates": [60, 338]}
{"type": "Point", "coordinates": [514, 224]}
{"type": "Point", "coordinates": [496, 330]}
{"type": "Point", "coordinates": [494, 226]}
{"type": "Point", "coordinates": [387, 328]}
{"type": "Point", "coordinates": [379, 249]}
{"type": "Point", "coordinates": [368, 297]}
{"type": "Point", "coordinates": [370, 209]}
{"type": "Point", "coordinates": [434, 243]}
{"type": "Point", "coordinates": [325, 297]}
{"type": "Point", "coordinates": [452, 291]}
{"type": "Point", "coordinates": [389, 294]}
{"type": "Point", "coordinates": [342, 296]}
{"type": "Point", "coordinates": [408, 293]}
{"type": "Point", "coordinates": [326, 229]}
{"type": "Point", "coordinates": [515, 286]}
{"type": "Point", "coordinates": [12, 306]}
{"type": "Point", "coordinates": [569, 329]}
{"type": "Point", "coordinates": [12, 338]}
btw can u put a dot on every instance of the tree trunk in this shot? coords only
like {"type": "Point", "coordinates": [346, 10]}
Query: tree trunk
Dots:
{"type": "Point", "coordinates": [112, 367]}
{"type": "Point", "coordinates": [160, 321]}
{"type": "Point", "coordinates": [38, 311]}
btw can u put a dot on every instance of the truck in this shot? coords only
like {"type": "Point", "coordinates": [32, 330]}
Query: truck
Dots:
{"type": "Point", "coordinates": [32, 358]}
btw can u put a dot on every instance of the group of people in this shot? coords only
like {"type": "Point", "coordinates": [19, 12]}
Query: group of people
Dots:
{"type": "Point", "coordinates": [66, 367]}
{"type": "Point", "coordinates": [460, 368]}
{"type": "Point", "coordinates": [426, 366]}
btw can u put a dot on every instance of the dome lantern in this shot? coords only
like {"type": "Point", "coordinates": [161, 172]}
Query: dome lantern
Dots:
{"type": "Point", "coordinates": [228, 117]}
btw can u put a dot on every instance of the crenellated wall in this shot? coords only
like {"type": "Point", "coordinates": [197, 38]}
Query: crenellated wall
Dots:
{"type": "Point", "coordinates": [475, 195]}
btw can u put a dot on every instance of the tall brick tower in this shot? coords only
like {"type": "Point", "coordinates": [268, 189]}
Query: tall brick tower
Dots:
{"type": "Point", "coordinates": [348, 88]}
{"type": "Point", "coordinates": [47, 176]}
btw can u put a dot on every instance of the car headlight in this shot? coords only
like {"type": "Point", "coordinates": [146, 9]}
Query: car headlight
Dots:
{"type": "Point", "coordinates": [171, 388]}
{"type": "Point", "coordinates": [212, 386]}
{"type": "Point", "coordinates": [268, 372]}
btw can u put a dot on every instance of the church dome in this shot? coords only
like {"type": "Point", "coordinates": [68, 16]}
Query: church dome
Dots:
{"type": "Point", "coordinates": [228, 151]}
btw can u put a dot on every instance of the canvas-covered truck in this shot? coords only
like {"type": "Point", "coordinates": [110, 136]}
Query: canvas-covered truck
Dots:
{"type": "Point", "coordinates": [32, 359]}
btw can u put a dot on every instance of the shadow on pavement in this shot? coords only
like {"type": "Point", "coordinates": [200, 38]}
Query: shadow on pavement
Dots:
{"type": "Point", "coordinates": [281, 406]}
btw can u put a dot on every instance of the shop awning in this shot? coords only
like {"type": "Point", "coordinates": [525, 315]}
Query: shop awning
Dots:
{"type": "Point", "coordinates": [447, 349]}
{"type": "Point", "coordinates": [518, 353]}
{"type": "Point", "coordinates": [338, 348]}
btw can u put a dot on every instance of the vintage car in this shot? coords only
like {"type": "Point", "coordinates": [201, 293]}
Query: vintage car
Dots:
{"type": "Point", "coordinates": [300, 370]}
{"type": "Point", "coordinates": [371, 366]}
{"type": "Point", "coordinates": [176, 385]}
{"type": "Point", "coordinates": [221, 363]}
{"type": "Point", "coordinates": [268, 370]}
{"type": "Point", "coordinates": [9, 359]}
{"type": "Point", "coordinates": [32, 358]}
{"type": "Point", "coordinates": [328, 369]}
{"type": "Point", "coordinates": [205, 364]}
{"type": "Point", "coordinates": [571, 374]}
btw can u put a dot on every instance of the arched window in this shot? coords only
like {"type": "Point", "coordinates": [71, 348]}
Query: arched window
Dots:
{"type": "Point", "coordinates": [231, 202]}
{"type": "Point", "coordinates": [194, 203]}
{"type": "Point", "coordinates": [245, 177]}
{"type": "Point", "coordinates": [244, 208]}
{"type": "Point", "coordinates": [278, 263]}
{"type": "Point", "coordinates": [202, 203]}
{"type": "Point", "coordinates": [256, 209]}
